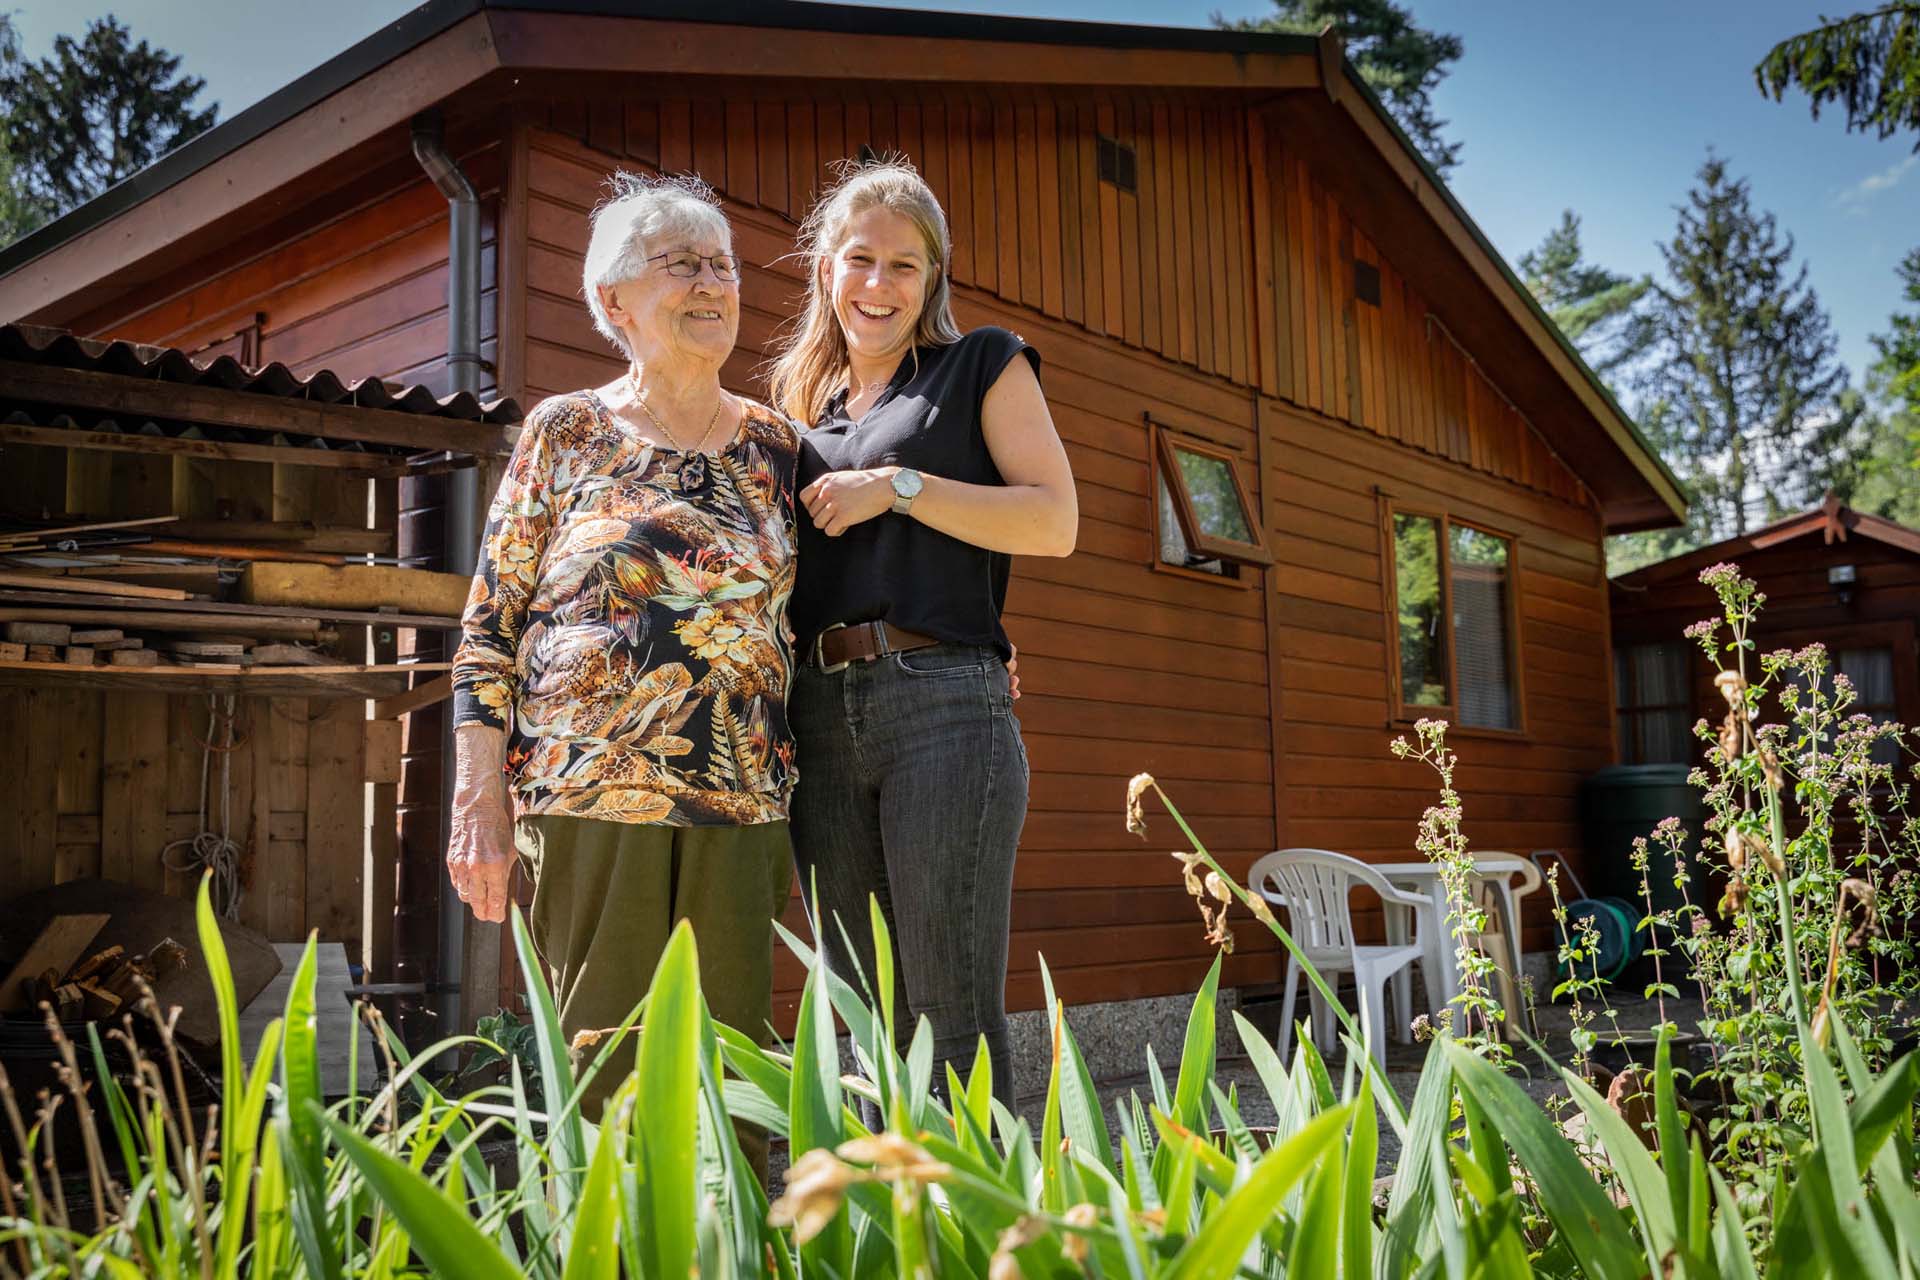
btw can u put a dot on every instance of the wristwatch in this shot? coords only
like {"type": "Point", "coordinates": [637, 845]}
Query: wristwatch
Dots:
{"type": "Point", "coordinates": [906, 487]}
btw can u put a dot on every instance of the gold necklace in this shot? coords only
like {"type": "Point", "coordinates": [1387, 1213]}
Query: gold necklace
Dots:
{"type": "Point", "coordinates": [633, 385]}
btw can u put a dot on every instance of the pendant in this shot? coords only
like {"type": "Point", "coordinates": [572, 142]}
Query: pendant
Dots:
{"type": "Point", "coordinates": [695, 479]}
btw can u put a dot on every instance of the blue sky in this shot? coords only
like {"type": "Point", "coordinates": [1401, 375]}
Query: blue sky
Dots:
{"type": "Point", "coordinates": [1604, 109]}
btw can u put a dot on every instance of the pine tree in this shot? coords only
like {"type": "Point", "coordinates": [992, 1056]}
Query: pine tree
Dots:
{"type": "Point", "coordinates": [1744, 359]}
{"type": "Point", "coordinates": [1895, 375]}
{"type": "Point", "coordinates": [19, 214]}
{"type": "Point", "coordinates": [1869, 61]}
{"type": "Point", "coordinates": [1596, 308]}
{"type": "Point", "coordinates": [1887, 475]}
{"type": "Point", "coordinates": [94, 113]}
{"type": "Point", "coordinates": [1403, 63]}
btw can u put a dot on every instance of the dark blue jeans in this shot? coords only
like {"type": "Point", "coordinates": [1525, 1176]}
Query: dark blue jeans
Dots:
{"type": "Point", "coordinates": [913, 787]}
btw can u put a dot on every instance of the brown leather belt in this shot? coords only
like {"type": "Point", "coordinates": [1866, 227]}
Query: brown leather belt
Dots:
{"type": "Point", "coordinates": [845, 643]}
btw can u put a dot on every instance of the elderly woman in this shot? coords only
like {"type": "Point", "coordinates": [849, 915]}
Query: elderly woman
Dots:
{"type": "Point", "coordinates": [930, 460]}
{"type": "Point", "coordinates": [620, 687]}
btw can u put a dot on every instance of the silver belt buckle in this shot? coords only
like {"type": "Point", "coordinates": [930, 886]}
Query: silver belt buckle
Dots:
{"type": "Point", "coordinates": [821, 663]}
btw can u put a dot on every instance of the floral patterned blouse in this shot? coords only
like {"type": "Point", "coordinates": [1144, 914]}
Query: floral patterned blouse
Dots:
{"type": "Point", "coordinates": [628, 622]}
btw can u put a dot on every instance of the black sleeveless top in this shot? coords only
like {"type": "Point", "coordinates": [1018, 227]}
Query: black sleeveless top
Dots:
{"type": "Point", "coordinates": [893, 567]}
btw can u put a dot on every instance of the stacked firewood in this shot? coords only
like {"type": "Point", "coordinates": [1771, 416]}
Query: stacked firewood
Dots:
{"type": "Point", "coordinates": [104, 983]}
{"type": "Point", "coordinates": [162, 591]}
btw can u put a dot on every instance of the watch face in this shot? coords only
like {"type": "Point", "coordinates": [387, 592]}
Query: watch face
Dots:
{"type": "Point", "coordinates": [906, 483]}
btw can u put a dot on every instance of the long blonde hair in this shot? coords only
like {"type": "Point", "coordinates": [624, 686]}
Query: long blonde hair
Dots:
{"type": "Point", "coordinates": [813, 362]}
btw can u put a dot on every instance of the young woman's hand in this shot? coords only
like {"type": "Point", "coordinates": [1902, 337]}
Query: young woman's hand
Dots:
{"type": "Point", "coordinates": [840, 500]}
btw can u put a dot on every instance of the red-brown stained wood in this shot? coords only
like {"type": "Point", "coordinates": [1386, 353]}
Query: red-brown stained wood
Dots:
{"type": "Point", "coordinates": [1025, 150]}
{"type": "Point", "coordinates": [1046, 176]}
{"type": "Point", "coordinates": [1133, 323]}
{"type": "Point", "coordinates": [676, 135]}
{"type": "Point", "coordinates": [771, 148]}
{"type": "Point", "coordinates": [986, 246]}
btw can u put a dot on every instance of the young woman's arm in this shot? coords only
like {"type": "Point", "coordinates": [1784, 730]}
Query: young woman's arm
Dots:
{"type": "Point", "coordinates": [1035, 513]}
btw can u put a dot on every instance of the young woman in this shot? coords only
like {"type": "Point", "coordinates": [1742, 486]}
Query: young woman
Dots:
{"type": "Point", "coordinates": [929, 462]}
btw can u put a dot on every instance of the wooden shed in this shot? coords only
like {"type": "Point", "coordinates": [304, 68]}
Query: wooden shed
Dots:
{"type": "Point", "coordinates": [280, 763]}
{"type": "Point", "coordinates": [1848, 580]}
{"type": "Point", "coordinates": [1239, 274]}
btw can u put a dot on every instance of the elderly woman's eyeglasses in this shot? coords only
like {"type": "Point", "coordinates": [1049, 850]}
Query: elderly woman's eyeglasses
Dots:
{"type": "Point", "coordinates": [685, 264]}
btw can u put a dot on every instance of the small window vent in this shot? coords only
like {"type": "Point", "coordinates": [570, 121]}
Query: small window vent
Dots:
{"type": "Point", "coordinates": [1118, 164]}
{"type": "Point", "coordinates": [1366, 283]}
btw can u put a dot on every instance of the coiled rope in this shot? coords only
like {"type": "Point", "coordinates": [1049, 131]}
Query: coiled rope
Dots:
{"type": "Point", "coordinates": [211, 850]}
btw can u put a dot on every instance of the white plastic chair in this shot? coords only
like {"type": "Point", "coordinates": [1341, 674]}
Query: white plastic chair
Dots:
{"type": "Point", "coordinates": [1313, 885]}
{"type": "Point", "coordinates": [1500, 899]}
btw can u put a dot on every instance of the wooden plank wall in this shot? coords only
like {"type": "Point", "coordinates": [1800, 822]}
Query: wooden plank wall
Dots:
{"type": "Point", "coordinates": [1392, 368]}
{"type": "Point", "coordinates": [110, 778]}
{"type": "Point", "coordinates": [1801, 607]}
{"type": "Point", "coordinates": [1163, 269]}
{"type": "Point", "coordinates": [1344, 790]}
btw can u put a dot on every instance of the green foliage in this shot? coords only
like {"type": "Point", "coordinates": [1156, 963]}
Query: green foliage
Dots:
{"type": "Point", "coordinates": [1485, 1182]}
{"type": "Point", "coordinates": [1885, 478]}
{"type": "Point", "coordinates": [1401, 61]}
{"type": "Point", "coordinates": [1869, 61]}
{"type": "Point", "coordinates": [19, 213]}
{"type": "Point", "coordinates": [1596, 308]}
{"type": "Point", "coordinates": [95, 112]}
{"type": "Point", "coordinates": [1814, 832]}
{"type": "Point", "coordinates": [1742, 362]}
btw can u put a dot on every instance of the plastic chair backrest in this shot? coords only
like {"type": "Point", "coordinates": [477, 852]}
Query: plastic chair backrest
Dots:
{"type": "Point", "coordinates": [1313, 884]}
{"type": "Point", "coordinates": [1525, 868]}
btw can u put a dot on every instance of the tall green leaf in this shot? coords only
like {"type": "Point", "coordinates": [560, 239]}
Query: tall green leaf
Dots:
{"type": "Point", "coordinates": [1079, 1100]}
{"type": "Point", "coordinates": [300, 1100]}
{"type": "Point", "coordinates": [566, 1139]}
{"type": "Point", "coordinates": [667, 1129]}
{"type": "Point", "coordinates": [441, 1232]}
{"type": "Point", "coordinates": [814, 1106]}
{"type": "Point", "coordinates": [1217, 1247]}
{"type": "Point", "coordinates": [1587, 1221]}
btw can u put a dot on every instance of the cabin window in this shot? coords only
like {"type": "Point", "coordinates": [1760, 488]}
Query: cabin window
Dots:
{"type": "Point", "coordinates": [1870, 672]}
{"type": "Point", "coordinates": [1204, 519]}
{"type": "Point", "coordinates": [1652, 703]}
{"type": "Point", "coordinates": [1453, 606]}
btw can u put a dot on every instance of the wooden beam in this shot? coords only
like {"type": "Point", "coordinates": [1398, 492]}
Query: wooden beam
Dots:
{"type": "Point", "coordinates": [56, 584]}
{"type": "Point", "coordinates": [421, 695]}
{"type": "Point", "coordinates": [529, 40]}
{"type": "Point", "coordinates": [215, 450]}
{"type": "Point", "coordinates": [216, 609]}
{"type": "Point", "coordinates": [121, 393]}
{"type": "Point", "coordinates": [299, 628]}
{"type": "Point", "coordinates": [250, 682]}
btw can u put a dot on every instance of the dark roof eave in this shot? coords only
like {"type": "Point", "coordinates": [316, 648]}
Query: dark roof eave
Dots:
{"type": "Point", "coordinates": [430, 19]}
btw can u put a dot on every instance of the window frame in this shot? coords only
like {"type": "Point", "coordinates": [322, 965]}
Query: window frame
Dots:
{"type": "Point", "coordinates": [1163, 467]}
{"type": "Point", "coordinates": [1404, 713]}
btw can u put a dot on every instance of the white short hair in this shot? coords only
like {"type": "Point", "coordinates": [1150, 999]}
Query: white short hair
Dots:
{"type": "Point", "coordinates": [642, 211]}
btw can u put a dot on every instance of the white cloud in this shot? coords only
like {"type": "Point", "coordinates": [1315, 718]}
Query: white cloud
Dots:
{"type": "Point", "coordinates": [1873, 184]}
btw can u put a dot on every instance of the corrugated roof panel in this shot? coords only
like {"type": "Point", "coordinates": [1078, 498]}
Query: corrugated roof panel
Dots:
{"type": "Point", "coordinates": [56, 348]}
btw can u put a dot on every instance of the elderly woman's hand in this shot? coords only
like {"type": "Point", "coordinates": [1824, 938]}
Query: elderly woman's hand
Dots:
{"type": "Point", "coordinates": [841, 499]}
{"type": "Point", "coordinates": [480, 852]}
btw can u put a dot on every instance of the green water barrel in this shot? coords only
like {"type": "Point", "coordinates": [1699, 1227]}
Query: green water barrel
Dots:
{"type": "Point", "coordinates": [1623, 802]}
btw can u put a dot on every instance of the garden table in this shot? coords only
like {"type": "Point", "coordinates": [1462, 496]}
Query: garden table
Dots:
{"type": "Point", "coordinates": [1440, 961]}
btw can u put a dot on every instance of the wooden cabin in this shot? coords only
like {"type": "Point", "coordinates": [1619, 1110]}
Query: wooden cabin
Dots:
{"type": "Point", "coordinates": [1242, 280]}
{"type": "Point", "coordinates": [1848, 580]}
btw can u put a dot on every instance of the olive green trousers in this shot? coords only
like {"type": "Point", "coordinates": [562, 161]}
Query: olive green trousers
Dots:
{"type": "Point", "coordinates": [606, 897]}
